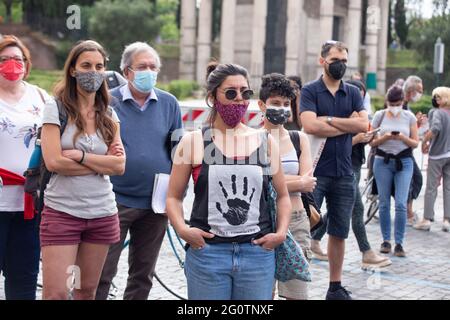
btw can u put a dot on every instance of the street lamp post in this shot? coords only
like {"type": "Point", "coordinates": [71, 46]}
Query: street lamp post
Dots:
{"type": "Point", "coordinates": [438, 68]}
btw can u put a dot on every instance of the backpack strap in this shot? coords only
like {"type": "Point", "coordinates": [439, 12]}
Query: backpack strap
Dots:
{"type": "Point", "coordinates": [295, 139]}
{"type": "Point", "coordinates": [45, 175]}
{"type": "Point", "coordinates": [41, 95]}
{"type": "Point", "coordinates": [383, 114]}
{"type": "Point", "coordinates": [63, 116]}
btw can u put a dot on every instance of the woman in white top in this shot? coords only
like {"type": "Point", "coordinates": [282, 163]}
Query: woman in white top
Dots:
{"type": "Point", "coordinates": [436, 144]}
{"type": "Point", "coordinates": [275, 96]}
{"type": "Point", "coordinates": [21, 108]}
{"type": "Point", "coordinates": [393, 165]}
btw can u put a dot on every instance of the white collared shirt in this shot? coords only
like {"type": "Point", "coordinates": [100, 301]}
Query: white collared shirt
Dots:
{"type": "Point", "coordinates": [127, 95]}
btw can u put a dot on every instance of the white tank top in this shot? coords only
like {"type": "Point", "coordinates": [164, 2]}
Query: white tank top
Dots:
{"type": "Point", "coordinates": [290, 165]}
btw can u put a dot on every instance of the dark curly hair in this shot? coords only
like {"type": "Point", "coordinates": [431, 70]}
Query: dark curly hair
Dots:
{"type": "Point", "coordinates": [275, 84]}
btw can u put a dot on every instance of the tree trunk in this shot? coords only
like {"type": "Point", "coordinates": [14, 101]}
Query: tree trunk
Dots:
{"type": "Point", "coordinates": [8, 5]}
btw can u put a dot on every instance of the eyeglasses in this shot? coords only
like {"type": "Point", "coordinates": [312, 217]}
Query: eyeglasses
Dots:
{"type": "Point", "coordinates": [16, 58]}
{"type": "Point", "coordinates": [145, 67]}
{"type": "Point", "coordinates": [231, 94]}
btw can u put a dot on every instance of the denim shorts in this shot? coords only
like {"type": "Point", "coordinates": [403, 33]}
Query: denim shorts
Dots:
{"type": "Point", "coordinates": [339, 193]}
{"type": "Point", "coordinates": [59, 228]}
{"type": "Point", "coordinates": [230, 271]}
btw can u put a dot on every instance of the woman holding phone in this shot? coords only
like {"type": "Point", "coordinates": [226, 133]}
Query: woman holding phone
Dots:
{"type": "Point", "coordinates": [393, 165]}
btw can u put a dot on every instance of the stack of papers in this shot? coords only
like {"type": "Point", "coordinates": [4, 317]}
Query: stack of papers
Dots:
{"type": "Point", "coordinates": [159, 196]}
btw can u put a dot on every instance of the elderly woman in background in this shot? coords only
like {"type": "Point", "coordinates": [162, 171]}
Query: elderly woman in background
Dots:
{"type": "Point", "coordinates": [437, 144]}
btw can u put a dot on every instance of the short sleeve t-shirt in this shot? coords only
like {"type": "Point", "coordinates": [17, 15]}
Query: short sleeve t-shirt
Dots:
{"type": "Point", "coordinates": [18, 130]}
{"type": "Point", "coordinates": [89, 196]}
{"type": "Point", "coordinates": [401, 123]}
{"type": "Point", "coordinates": [336, 158]}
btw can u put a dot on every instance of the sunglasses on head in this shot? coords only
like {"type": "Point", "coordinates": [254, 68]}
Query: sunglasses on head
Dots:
{"type": "Point", "coordinates": [231, 94]}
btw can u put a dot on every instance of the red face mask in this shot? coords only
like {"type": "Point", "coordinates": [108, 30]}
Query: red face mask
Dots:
{"type": "Point", "coordinates": [11, 70]}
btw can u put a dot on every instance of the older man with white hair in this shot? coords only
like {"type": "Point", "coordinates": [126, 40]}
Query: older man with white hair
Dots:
{"type": "Point", "coordinates": [413, 91]}
{"type": "Point", "coordinates": [147, 116]}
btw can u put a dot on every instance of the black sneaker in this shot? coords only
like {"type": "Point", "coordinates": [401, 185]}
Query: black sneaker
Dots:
{"type": "Point", "coordinates": [385, 247]}
{"type": "Point", "coordinates": [340, 294]}
{"type": "Point", "coordinates": [399, 252]}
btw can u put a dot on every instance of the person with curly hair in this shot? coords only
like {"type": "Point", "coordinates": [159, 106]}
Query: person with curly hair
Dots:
{"type": "Point", "coordinates": [275, 97]}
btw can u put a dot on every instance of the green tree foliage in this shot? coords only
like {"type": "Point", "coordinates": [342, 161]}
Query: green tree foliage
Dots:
{"type": "Point", "coordinates": [424, 34]}
{"type": "Point", "coordinates": [11, 11]}
{"type": "Point", "coordinates": [401, 26]}
{"type": "Point", "coordinates": [441, 7]}
{"type": "Point", "coordinates": [8, 5]}
{"type": "Point", "coordinates": [50, 16]}
{"type": "Point", "coordinates": [167, 15]}
{"type": "Point", "coordinates": [115, 26]}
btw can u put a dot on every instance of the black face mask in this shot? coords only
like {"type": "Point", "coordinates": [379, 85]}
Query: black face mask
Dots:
{"type": "Point", "coordinates": [277, 116]}
{"type": "Point", "coordinates": [434, 102]}
{"type": "Point", "coordinates": [337, 70]}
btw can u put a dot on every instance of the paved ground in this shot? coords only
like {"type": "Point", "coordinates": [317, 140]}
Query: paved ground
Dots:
{"type": "Point", "coordinates": [424, 274]}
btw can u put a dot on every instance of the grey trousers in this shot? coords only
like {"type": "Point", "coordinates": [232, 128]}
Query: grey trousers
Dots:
{"type": "Point", "coordinates": [437, 169]}
{"type": "Point", "coordinates": [147, 231]}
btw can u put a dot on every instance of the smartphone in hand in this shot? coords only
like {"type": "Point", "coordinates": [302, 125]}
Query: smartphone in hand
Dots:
{"type": "Point", "coordinates": [395, 133]}
{"type": "Point", "coordinates": [373, 131]}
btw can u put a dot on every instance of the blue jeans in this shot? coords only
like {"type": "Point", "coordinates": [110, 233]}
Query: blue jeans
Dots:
{"type": "Point", "coordinates": [230, 271]}
{"type": "Point", "coordinates": [385, 175]}
{"type": "Point", "coordinates": [340, 195]}
{"type": "Point", "coordinates": [19, 255]}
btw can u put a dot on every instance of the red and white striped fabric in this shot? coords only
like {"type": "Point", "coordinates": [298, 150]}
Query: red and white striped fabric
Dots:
{"type": "Point", "coordinates": [195, 114]}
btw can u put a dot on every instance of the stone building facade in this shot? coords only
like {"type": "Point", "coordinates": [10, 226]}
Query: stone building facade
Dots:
{"type": "Point", "coordinates": [285, 36]}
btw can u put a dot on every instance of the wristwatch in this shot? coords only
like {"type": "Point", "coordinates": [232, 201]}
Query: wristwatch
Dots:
{"type": "Point", "coordinates": [329, 119]}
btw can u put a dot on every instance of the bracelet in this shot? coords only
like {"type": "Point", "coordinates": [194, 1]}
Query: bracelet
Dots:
{"type": "Point", "coordinates": [82, 157]}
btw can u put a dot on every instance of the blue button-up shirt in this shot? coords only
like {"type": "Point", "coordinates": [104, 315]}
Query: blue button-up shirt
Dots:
{"type": "Point", "coordinates": [126, 95]}
{"type": "Point", "coordinates": [336, 158]}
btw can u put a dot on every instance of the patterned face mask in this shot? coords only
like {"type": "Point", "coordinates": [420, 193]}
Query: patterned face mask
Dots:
{"type": "Point", "coordinates": [90, 81]}
{"type": "Point", "coordinates": [231, 114]}
{"type": "Point", "coordinates": [278, 115]}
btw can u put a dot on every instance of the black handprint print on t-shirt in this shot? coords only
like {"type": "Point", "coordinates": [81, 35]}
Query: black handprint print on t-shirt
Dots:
{"type": "Point", "coordinates": [237, 213]}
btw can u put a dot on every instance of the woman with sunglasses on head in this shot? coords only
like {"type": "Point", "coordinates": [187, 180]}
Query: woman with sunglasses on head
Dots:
{"type": "Point", "coordinates": [275, 97]}
{"type": "Point", "coordinates": [231, 245]}
{"type": "Point", "coordinates": [393, 165]}
{"type": "Point", "coordinates": [437, 144]}
{"type": "Point", "coordinates": [21, 109]}
{"type": "Point", "coordinates": [79, 220]}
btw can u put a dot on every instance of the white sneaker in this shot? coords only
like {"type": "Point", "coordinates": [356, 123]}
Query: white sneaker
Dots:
{"type": "Point", "coordinates": [446, 226]}
{"type": "Point", "coordinates": [423, 225]}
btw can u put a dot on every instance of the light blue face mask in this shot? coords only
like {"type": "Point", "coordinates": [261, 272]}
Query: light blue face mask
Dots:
{"type": "Point", "coordinates": [145, 81]}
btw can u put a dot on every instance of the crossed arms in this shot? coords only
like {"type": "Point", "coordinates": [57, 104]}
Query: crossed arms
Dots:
{"type": "Point", "coordinates": [66, 162]}
{"type": "Point", "coordinates": [319, 126]}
